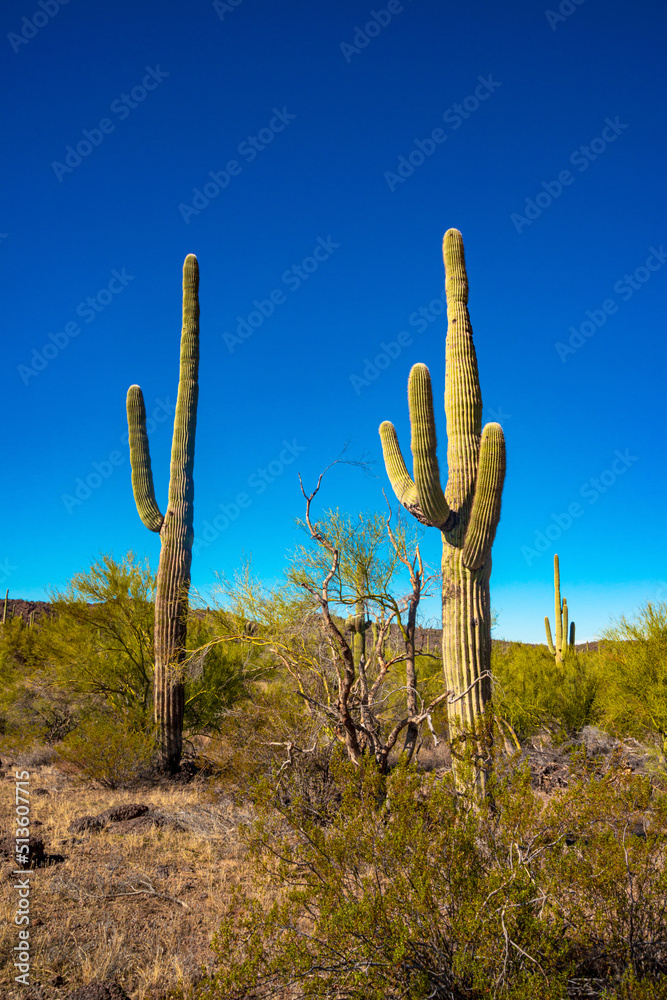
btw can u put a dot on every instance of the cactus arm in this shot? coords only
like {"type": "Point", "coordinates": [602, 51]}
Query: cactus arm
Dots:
{"type": "Point", "coordinates": [427, 474]}
{"type": "Point", "coordinates": [485, 512]}
{"type": "Point", "coordinates": [550, 642]}
{"type": "Point", "coordinates": [400, 479]}
{"type": "Point", "coordinates": [463, 397]}
{"type": "Point", "coordinates": [572, 636]}
{"type": "Point", "coordinates": [140, 460]}
{"type": "Point", "coordinates": [565, 614]}
{"type": "Point", "coordinates": [423, 496]}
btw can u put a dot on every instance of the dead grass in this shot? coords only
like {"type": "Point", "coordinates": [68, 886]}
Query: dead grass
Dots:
{"type": "Point", "coordinates": [142, 907]}
{"type": "Point", "coordinates": [139, 907]}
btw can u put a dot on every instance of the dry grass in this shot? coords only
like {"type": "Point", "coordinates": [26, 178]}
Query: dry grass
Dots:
{"type": "Point", "coordinates": [142, 907]}
{"type": "Point", "coordinates": [139, 907]}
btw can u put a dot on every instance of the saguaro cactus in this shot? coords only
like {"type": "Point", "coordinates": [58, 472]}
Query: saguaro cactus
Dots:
{"type": "Point", "coordinates": [466, 513]}
{"type": "Point", "coordinates": [357, 623]}
{"type": "Point", "coordinates": [562, 645]}
{"type": "Point", "coordinates": [175, 527]}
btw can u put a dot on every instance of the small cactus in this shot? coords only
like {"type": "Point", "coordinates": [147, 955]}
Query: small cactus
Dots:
{"type": "Point", "coordinates": [357, 623]}
{"type": "Point", "coordinates": [175, 527]}
{"type": "Point", "coordinates": [561, 646]}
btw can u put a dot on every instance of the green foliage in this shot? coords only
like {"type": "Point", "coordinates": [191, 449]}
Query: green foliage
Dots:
{"type": "Point", "coordinates": [95, 658]}
{"type": "Point", "coordinates": [430, 894]}
{"type": "Point", "coordinates": [101, 640]}
{"type": "Point", "coordinates": [218, 675]}
{"type": "Point", "coordinates": [533, 691]}
{"type": "Point", "coordinates": [34, 708]}
{"type": "Point", "coordinates": [19, 648]}
{"type": "Point", "coordinates": [110, 750]}
{"type": "Point", "coordinates": [633, 664]}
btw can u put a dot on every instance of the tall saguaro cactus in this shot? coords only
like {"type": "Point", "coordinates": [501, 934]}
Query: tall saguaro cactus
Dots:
{"type": "Point", "coordinates": [175, 527]}
{"type": "Point", "coordinates": [467, 512]}
{"type": "Point", "coordinates": [560, 621]}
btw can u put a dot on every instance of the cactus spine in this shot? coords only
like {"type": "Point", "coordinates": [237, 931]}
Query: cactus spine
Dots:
{"type": "Point", "coordinates": [466, 513]}
{"type": "Point", "coordinates": [175, 527]}
{"type": "Point", "coordinates": [561, 646]}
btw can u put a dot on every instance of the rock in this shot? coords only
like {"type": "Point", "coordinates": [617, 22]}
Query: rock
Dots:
{"type": "Point", "coordinates": [35, 850]}
{"type": "Point", "coordinates": [114, 814]}
{"type": "Point", "coordinates": [596, 741]}
{"type": "Point", "coordinates": [118, 813]}
{"type": "Point", "coordinates": [144, 823]}
{"type": "Point", "coordinates": [84, 823]}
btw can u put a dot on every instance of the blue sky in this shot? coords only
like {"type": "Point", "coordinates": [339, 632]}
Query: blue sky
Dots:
{"type": "Point", "coordinates": [312, 156]}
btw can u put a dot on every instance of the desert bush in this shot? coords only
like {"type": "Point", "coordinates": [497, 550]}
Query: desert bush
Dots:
{"type": "Point", "coordinates": [633, 666]}
{"type": "Point", "coordinates": [531, 690]}
{"type": "Point", "coordinates": [218, 675]}
{"type": "Point", "coordinates": [20, 648]}
{"type": "Point", "coordinates": [101, 637]}
{"type": "Point", "coordinates": [438, 897]}
{"type": "Point", "coordinates": [36, 756]}
{"type": "Point", "coordinates": [32, 708]}
{"type": "Point", "coordinates": [94, 655]}
{"type": "Point", "coordinates": [110, 750]}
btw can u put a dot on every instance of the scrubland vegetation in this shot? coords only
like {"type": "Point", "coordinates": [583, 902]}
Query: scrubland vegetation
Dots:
{"type": "Point", "coordinates": [310, 873]}
{"type": "Point", "coordinates": [294, 794]}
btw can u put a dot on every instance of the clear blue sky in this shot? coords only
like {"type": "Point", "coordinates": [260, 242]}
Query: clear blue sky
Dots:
{"type": "Point", "coordinates": [344, 144]}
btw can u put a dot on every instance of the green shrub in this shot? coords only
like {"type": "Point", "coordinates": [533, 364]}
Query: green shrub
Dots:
{"type": "Point", "coordinates": [101, 639]}
{"type": "Point", "coordinates": [633, 664]}
{"type": "Point", "coordinates": [436, 897]}
{"type": "Point", "coordinates": [109, 750]}
{"type": "Point", "coordinates": [252, 744]}
{"type": "Point", "coordinates": [531, 691]}
{"type": "Point", "coordinates": [218, 676]}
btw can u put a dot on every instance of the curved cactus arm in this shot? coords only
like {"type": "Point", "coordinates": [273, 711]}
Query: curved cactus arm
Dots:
{"type": "Point", "coordinates": [550, 642]}
{"type": "Point", "coordinates": [422, 497]}
{"type": "Point", "coordinates": [485, 511]}
{"type": "Point", "coordinates": [572, 636]}
{"type": "Point", "coordinates": [399, 477]}
{"type": "Point", "coordinates": [140, 460]}
{"type": "Point", "coordinates": [565, 616]}
{"type": "Point", "coordinates": [431, 498]}
{"type": "Point", "coordinates": [357, 623]}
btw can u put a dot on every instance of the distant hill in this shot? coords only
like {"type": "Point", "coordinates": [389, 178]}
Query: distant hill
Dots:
{"type": "Point", "coordinates": [428, 639]}
{"type": "Point", "coordinates": [24, 609]}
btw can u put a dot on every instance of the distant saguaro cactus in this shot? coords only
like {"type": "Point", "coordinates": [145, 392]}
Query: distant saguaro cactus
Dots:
{"type": "Point", "coordinates": [357, 623]}
{"type": "Point", "coordinates": [466, 513]}
{"type": "Point", "coordinates": [175, 527]}
{"type": "Point", "coordinates": [562, 645]}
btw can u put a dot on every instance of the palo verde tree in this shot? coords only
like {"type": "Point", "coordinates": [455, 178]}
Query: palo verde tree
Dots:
{"type": "Point", "coordinates": [347, 567]}
{"type": "Point", "coordinates": [466, 513]}
{"type": "Point", "coordinates": [348, 692]}
{"type": "Point", "coordinates": [175, 526]}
